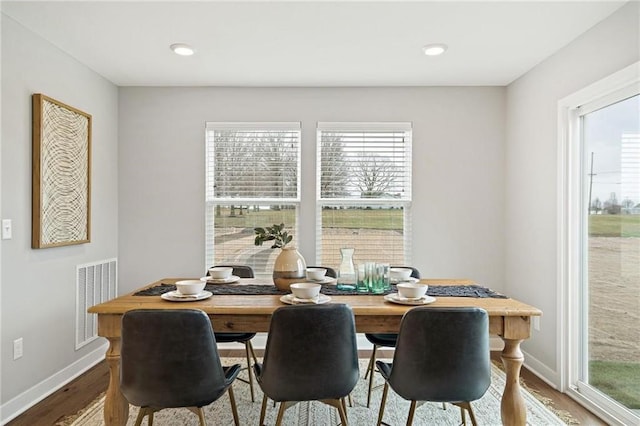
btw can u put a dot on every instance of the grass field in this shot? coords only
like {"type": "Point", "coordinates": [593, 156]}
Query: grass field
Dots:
{"type": "Point", "coordinates": [619, 380]}
{"type": "Point", "coordinates": [614, 225]}
{"type": "Point", "coordinates": [362, 218]}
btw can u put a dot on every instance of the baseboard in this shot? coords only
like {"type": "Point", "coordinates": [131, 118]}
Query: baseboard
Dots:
{"type": "Point", "coordinates": [27, 399]}
{"type": "Point", "coordinates": [546, 374]}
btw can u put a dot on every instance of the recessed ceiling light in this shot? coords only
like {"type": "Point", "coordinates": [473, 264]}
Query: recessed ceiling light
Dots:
{"type": "Point", "coordinates": [434, 49]}
{"type": "Point", "coordinates": [182, 49]}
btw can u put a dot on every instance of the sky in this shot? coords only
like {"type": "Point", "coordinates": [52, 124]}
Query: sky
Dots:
{"type": "Point", "coordinates": [615, 169]}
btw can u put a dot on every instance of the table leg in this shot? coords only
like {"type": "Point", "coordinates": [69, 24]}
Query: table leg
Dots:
{"type": "Point", "coordinates": [116, 407]}
{"type": "Point", "coordinates": [513, 408]}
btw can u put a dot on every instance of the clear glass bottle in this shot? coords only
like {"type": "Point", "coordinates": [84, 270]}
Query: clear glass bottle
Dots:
{"type": "Point", "coordinates": [347, 270]}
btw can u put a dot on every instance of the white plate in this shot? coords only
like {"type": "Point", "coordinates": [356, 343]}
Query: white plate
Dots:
{"type": "Point", "coordinates": [325, 280]}
{"type": "Point", "coordinates": [395, 298]}
{"type": "Point", "coordinates": [290, 299]}
{"type": "Point", "coordinates": [174, 296]}
{"type": "Point", "coordinates": [231, 279]}
{"type": "Point", "coordinates": [408, 280]}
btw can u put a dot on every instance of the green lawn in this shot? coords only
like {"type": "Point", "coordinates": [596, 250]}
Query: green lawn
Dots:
{"type": "Point", "coordinates": [614, 225]}
{"type": "Point", "coordinates": [383, 219]}
{"type": "Point", "coordinates": [619, 380]}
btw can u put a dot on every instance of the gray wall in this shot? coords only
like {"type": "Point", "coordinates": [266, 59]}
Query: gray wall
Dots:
{"type": "Point", "coordinates": [38, 286]}
{"type": "Point", "coordinates": [458, 171]}
{"type": "Point", "coordinates": [532, 262]}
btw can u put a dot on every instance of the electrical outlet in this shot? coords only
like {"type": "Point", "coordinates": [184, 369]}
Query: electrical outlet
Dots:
{"type": "Point", "coordinates": [17, 348]}
{"type": "Point", "coordinates": [536, 323]}
{"type": "Point", "coordinates": [6, 229]}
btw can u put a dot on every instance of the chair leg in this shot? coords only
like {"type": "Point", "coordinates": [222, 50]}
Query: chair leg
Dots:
{"type": "Point", "coordinates": [383, 402]}
{"type": "Point", "coordinates": [284, 405]}
{"type": "Point", "coordinates": [145, 411]}
{"type": "Point", "coordinates": [350, 400]}
{"type": "Point", "coordinates": [341, 406]}
{"type": "Point", "coordinates": [263, 410]}
{"type": "Point", "coordinates": [372, 363]}
{"type": "Point", "coordinates": [412, 412]}
{"type": "Point", "coordinates": [247, 346]}
{"type": "Point", "coordinates": [234, 408]}
{"type": "Point", "coordinates": [201, 417]}
{"type": "Point", "coordinates": [467, 406]}
{"type": "Point", "coordinates": [253, 354]}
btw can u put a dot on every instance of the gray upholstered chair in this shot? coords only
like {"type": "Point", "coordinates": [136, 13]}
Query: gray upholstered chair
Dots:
{"type": "Point", "coordinates": [169, 359]}
{"type": "Point", "coordinates": [442, 355]}
{"type": "Point", "coordinates": [242, 271]}
{"type": "Point", "coordinates": [311, 355]}
{"type": "Point", "coordinates": [386, 340]}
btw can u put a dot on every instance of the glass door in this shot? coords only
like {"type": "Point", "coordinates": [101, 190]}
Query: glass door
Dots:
{"type": "Point", "coordinates": [609, 308]}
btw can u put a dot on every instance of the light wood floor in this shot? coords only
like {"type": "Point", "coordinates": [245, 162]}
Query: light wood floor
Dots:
{"type": "Point", "coordinates": [80, 392]}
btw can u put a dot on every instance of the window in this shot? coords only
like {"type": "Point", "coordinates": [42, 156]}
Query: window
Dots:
{"type": "Point", "coordinates": [363, 192]}
{"type": "Point", "coordinates": [600, 246]}
{"type": "Point", "coordinates": [252, 179]}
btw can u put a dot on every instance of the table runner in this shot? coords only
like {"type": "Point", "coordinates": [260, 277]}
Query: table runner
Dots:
{"type": "Point", "coordinates": [330, 290]}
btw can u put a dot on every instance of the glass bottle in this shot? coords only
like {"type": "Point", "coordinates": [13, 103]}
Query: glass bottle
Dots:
{"type": "Point", "coordinates": [347, 271]}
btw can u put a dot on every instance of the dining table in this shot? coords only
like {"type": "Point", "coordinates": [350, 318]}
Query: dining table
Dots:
{"type": "Point", "coordinates": [242, 309]}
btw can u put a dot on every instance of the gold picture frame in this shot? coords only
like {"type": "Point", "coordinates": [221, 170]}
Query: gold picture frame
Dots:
{"type": "Point", "coordinates": [61, 172]}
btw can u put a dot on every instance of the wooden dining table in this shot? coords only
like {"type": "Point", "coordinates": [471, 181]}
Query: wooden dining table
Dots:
{"type": "Point", "coordinates": [508, 318]}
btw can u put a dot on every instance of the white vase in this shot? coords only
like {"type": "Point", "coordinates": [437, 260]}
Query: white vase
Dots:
{"type": "Point", "coordinates": [289, 268]}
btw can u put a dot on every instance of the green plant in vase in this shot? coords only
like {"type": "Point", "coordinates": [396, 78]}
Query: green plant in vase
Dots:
{"type": "Point", "coordinates": [289, 267]}
{"type": "Point", "coordinates": [275, 233]}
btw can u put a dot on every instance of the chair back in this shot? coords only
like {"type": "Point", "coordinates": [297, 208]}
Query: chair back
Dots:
{"type": "Point", "coordinates": [414, 271]}
{"type": "Point", "coordinates": [330, 271]}
{"type": "Point", "coordinates": [169, 358]}
{"type": "Point", "coordinates": [442, 355]}
{"type": "Point", "coordinates": [311, 353]}
{"type": "Point", "coordinates": [242, 271]}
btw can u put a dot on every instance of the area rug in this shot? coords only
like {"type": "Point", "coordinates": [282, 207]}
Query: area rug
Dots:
{"type": "Point", "coordinates": [487, 409]}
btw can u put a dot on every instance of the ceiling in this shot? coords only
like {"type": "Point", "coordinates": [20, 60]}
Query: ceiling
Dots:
{"type": "Point", "coordinates": [310, 43]}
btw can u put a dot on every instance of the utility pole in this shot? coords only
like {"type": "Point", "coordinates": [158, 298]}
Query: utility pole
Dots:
{"type": "Point", "coordinates": [591, 175]}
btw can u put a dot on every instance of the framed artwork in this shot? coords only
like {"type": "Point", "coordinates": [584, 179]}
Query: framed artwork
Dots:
{"type": "Point", "coordinates": [61, 181]}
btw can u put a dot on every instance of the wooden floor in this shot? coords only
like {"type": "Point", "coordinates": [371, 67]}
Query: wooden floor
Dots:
{"type": "Point", "coordinates": [80, 392]}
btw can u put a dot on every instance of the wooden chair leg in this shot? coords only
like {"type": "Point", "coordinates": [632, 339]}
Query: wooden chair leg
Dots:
{"type": "Point", "coordinates": [372, 363]}
{"type": "Point", "coordinates": [464, 416]}
{"type": "Point", "coordinates": [341, 406]}
{"type": "Point", "coordinates": [382, 403]}
{"type": "Point", "coordinates": [283, 407]}
{"type": "Point", "coordinates": [263, 410]}
{"type": "Point", "coordinates": [253, 354]}
{"type": "Point", "coordinates": [247, 345]}
{"type": "Point", "coordinates": [234, 408]}
{"type": "Point", "coordinates": [412, 412]}
{"type": "Point", "coordinates": [201, 417]}
{"type": "Point", "coordinates": [467, 406]}
{"type": "Point", "coordinates": [350, 400]}
{"type": "Point", "coordinates": [141, 415]}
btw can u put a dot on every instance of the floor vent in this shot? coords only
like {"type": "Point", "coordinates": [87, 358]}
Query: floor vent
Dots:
{"type": "Point", "coordinates": [95, 283]}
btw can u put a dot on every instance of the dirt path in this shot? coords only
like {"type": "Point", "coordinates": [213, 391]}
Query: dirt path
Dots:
{"type": "Point", "coordinates": [614, 299]}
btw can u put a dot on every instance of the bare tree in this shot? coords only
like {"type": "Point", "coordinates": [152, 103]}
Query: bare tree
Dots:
{"type": "Point", "coordinates": [335, 167]}
{"type": "Point", "coordinates": [374, 176]}
{"type": "Point", "coordinates": [596, 205]}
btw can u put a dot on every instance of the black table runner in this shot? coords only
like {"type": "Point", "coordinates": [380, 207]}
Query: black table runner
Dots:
{"type": "Point", "coordinates": [329, 290]}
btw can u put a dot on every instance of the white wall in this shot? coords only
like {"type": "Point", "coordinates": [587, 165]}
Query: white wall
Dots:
{"type": "Point", "coordinates": [38, 286]}
{"type": "Point", "coordinates": [458, 151]}
{"type": "Point", "coordinates": [531, 158]}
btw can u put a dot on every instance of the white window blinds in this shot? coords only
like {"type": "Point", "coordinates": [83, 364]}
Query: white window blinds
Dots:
{"type": "Point", "coordinates": [252, 180]}
{"type": "Point", "coordinates": [253, 161]}
{"type": "Point", "coordinates": [364, 192]}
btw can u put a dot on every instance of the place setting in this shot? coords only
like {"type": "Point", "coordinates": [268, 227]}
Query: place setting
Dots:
{"type": "Point", "coordinates": [187, 291]}
{"type": "Point", "coordinates": [318, 275]}
{"type": "Point", "coordinates": [410, 294]}
{"type": "Point", "coordinates": [401, 275]}
{"type": "Point", "coordinates": [305, 294]}
{"type": "Point", "coordinates": [221, 275]}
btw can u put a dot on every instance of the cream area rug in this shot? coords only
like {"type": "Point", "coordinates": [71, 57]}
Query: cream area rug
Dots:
{"type": "Point", "coordinates": [487, 409]}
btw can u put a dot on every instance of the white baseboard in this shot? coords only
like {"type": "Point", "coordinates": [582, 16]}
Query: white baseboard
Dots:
{"type": "Point", "coordinates": [546, 374]}
{"type": "Point", "coordinates": [27, 399]}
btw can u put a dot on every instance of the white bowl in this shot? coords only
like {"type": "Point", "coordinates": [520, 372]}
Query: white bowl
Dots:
{"type": "Point", "coordinates": [305, 290]}
{"type": "Point", "coordinates": [220, 272]}
{"type": "Point", "coordinates": [412, 290]}
{"type": "Point", "coordinates": [316, 274]}
{"type": "Point", "coordinates": [400, 274]}
{"type": "Point", "coordinates": [188, 287]}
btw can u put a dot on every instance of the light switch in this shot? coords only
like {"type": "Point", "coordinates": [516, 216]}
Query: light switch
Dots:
{"type": "Point", "coordinates": [6, 229]}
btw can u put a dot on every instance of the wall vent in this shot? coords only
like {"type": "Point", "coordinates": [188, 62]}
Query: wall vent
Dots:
{"type": "Point", "coordinates": [95, 283]}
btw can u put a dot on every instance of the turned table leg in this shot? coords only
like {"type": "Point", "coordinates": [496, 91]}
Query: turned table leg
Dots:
{"type": "Point", "coordinates": [512, 408]}
{"type": "Point", "coordinates": [116, 407]}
